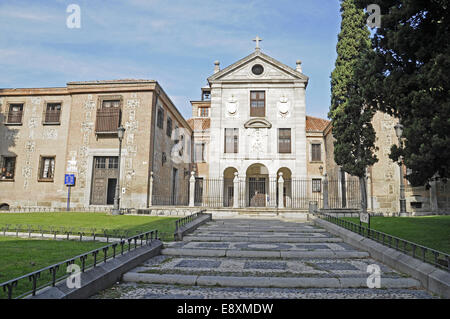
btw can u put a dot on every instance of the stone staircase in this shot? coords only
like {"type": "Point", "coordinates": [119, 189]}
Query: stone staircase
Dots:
{"type": "Point", "coordinates": [254, 258]}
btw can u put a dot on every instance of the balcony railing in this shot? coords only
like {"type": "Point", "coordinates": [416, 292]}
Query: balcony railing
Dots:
{"type": "Point", "coordinates": [108, 120]}
{"type": "Point", "coordinates": [52, 116]}
{"type": "Point", "coordinates": [15, 117]}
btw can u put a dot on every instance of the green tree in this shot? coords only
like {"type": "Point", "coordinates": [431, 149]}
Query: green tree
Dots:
{"type": "Point", "coordinates": [351, 117]}
{"type": "Point", "coordinates": [411, 80]}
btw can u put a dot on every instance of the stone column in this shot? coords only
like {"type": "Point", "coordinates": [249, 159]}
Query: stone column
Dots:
{"type": "Point", "coordinates": [236, 190]}
{"type": "Point", "coordinates": [280, 191]}
{"type": "Point", "coordinates": [325, 192]}
{"type": "Point", "coordinates": [150, 199]}
{"type": "Point", "coordinates": [273, 190]}
{"type": "Point", "coordinates": [192, 189]}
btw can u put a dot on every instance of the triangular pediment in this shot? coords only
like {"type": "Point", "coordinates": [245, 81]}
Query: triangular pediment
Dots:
{"type": "Point", "coordinates": [273, 70]}
{"type": "Point", "coordinates": [258, 122]}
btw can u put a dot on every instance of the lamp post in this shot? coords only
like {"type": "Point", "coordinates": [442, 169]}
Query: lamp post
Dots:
{"type": "Point", "coordinates": [116, 208]}
{"type": "Point", "coordinates": [399, 132]}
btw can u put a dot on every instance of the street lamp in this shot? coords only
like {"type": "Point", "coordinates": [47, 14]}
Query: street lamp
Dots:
{"type": "Point", "coordinates": [399, 132]}
{"type": "Point", "coordinates": [116, 209]}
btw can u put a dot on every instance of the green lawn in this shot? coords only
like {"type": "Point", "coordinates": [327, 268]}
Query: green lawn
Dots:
{"type": "Point", "coordinates": [89, 221]}
{"type": "Point", "coordinates": [20, 256]}
{"type": "Point", "coordinates": [429, 231]}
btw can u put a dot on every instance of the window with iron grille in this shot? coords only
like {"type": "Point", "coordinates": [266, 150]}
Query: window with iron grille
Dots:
{"type": "Point", "coordinates": [169, 127]}
{"type": "Point", "coordinates": [257, 103]}
{"type": "Point", "coordinates": [316, 185]}
{"type": "Point", "coordinates": [113, 162]}
{"type": "Point", "coordinates": [8, 168]}
{"type": "Point", "coordinates": [15, 113]}
{"type": "Point", "coordinates": [316, 152]}
{"type": "Point", "coordinates": [52, 113]}
{"type": "Point", "coordinates": [284, 140]}
{"type": "Point", "coordinates": [203, 111]}
{"type": "Point", "coordinates": [100, 162]}
{"type": "Point", "coordinates": [108, 116]}
{"type": "Point", "coordinates": [231, 140]}
{"type": "Point", "coordinates": [47, 168]}
{"type": "Point", "coordinates": [160, 118]}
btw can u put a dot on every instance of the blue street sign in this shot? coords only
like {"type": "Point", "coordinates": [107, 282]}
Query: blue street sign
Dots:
{"type": "Point", "coordinates": [69, 179]}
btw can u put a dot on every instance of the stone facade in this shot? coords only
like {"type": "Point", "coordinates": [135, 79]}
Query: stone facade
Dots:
{"type": "Point", "coordinates": [74, 143]}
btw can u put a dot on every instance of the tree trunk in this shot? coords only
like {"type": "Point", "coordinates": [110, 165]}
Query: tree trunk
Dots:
{"type": "Point", "coordinates": [362, 187]}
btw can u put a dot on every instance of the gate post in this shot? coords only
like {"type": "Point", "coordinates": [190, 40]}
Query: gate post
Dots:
{"type": "Point", "coordinates": [280, 190]}
{"type": "Point", "coordinates": [236, 190]}
{"type": "Point", "coordinates": [325, 192]}
{"type": "Point", "coordinates": [192, 189]}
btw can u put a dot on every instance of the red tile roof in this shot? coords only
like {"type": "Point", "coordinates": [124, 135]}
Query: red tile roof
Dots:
{"type": "Point", "coordinates": [315, 124]}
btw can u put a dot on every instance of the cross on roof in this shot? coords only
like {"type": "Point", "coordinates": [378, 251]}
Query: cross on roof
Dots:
{"type": "Point", "coordinates": [257, 40]}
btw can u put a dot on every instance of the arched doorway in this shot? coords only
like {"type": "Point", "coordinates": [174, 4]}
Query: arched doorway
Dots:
{"type": "Point", "coordinates": [257, 180]}
{"type": "Point", "coordinates": [287, 189]}
{"type": "Point", "coordinates": [228, 186]}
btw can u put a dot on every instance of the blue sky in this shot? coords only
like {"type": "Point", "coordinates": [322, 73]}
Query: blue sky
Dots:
{"type": "Point", "coordinates": [172, 41]}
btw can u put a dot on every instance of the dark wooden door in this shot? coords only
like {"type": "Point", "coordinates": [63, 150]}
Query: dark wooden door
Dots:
{"type": "Point", "coordinates": [105, 170]}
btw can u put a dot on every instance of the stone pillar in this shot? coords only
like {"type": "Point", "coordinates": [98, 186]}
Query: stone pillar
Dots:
{"type": "Point", "coordinates": [433, 197]}
{"type": "Point", "coordinates": [236, 190]}
{"type": "Point", "coordinates": [280, 191]}
{"type": "Point", "coordinates": [273, 191]}
{"type": "Point", "coordinates": [221, 190]}
{"type": "Point", "coordinates": [325, 192]}
{"type": "Point", "coordinates": [192, 189]}
{"type": "Point", "coordinates": [150, 199]}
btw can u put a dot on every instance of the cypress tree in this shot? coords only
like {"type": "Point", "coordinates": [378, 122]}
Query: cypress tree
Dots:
{"type": "Point", "coordinates": [351, 117]}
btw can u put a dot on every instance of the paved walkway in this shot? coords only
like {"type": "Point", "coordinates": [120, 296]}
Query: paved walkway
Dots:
{"type": "Point", "coordinates": [254, 258]}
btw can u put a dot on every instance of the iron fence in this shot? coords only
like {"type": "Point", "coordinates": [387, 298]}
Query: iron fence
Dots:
{"type": "Point", "coordinates": [167, 193]}
{"type": "Point", "coordinates": [68, 232]}
{"type": "Point", "coordinates": [426, 254]}
{"type": "Point", "coordinates": [209, 193]}
{"type": "Point", "coordinates": [50, 275]}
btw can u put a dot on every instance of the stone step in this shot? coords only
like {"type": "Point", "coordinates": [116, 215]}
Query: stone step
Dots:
{"type": "Point", "coordinates": [256, 229]}
{"type": "Point", "coordinates": [265, 282]}
{"type": "Point", "coordinates": [260, 239]}
{"type": "Point", "coordinates": [132, 290]}
{"type": "Point", "coordinates": [263, 253]}
{"type": "Point", "coordinates": [264, 267]}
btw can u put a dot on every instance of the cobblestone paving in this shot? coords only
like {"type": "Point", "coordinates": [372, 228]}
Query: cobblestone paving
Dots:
{"type": "Point", "coordinates": [202, 268]}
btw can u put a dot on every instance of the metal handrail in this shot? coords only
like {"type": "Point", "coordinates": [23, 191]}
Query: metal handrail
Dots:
{"type": "Point", "coordinates": [187, 219]}
{"type": "Point", "coordinates": [9, 285]}
{"type": "Point", "coordinates": [434, 257]}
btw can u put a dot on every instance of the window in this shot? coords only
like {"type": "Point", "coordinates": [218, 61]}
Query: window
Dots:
{"type": "Point", "coordinates": [316, 185]}
{"type": "Point", "coordinates": [110, 103]}
{"type": "Point", "coordinates": [257, 103]}
{"type": "Point", "coordinates": [100, 162]}
{"type": "Point", "coordinates": [113, 162]}
{"type": "Point", "coordinates": [257, 69]}
{"type": "Point", "coordinates": [206, 96]}
{"type": "Point", "coordinates": [284, 140]}
{"type": "Point", "coordinates": [169, 127]}
{"type": "Point", "coordinates": [8, 168]}
{"type": "Point", "coordinates": [52, 113]}
{"type": "Point", "coordinates": [160, 118]}
{"type": "Point", "coordinates": [203, 111]}
{"type": "Point", "coordinates": [108, 115]}
{"type": "Point", "coordinates": [316, 152]}
{"type": "Point", "coordinates": [231, 140]}
{"type": "Point", "coordinates": [15, 113]}
{"type": "Point", "coordinates": [47, 168]}
{"type": "Point", "coordinates": [199, 155]}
